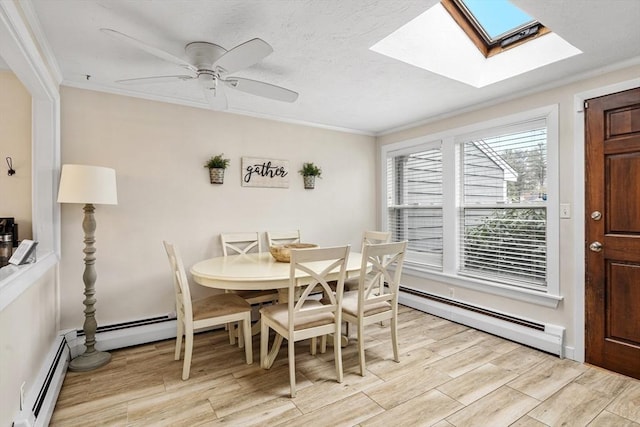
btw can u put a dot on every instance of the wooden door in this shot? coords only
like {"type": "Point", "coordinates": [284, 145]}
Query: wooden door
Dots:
{"type": "Point", "coordinates": [612, 202]}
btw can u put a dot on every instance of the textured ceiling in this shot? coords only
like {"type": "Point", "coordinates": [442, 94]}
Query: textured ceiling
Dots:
{"type": "Point", "coordinates": [321, 50]}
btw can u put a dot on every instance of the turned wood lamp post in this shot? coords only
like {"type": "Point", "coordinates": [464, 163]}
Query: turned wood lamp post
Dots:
{"type": "Point", "coordinates": [89, 185]}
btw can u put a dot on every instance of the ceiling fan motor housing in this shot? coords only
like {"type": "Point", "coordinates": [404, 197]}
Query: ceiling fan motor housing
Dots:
{"type": "Point", "coordinates": [204, 54]}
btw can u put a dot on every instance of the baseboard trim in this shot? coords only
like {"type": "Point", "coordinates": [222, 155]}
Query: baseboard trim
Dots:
{"type": "Point", "coordinates": [545, 337]}
{"type": "Point", "coordinates": [125, 334]}
{"type": "Point", "coordinates": [41, 398]}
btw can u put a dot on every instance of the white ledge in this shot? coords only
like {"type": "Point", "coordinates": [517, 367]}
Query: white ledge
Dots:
{"type": "Point", "coordinates": [521, 294]}
{"type": "Point", "coordinates": [14, 280]}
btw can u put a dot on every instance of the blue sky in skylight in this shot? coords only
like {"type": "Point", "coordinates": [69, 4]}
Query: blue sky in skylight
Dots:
{"type": "Point", "coordinates": [497, 16]}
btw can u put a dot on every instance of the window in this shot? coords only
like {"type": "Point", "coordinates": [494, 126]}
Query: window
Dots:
{"type": "Point", "coordinates": [414, 198]}
{"type": "Point", "coordinates": [479, 205]}
{"type": "Point", "coordinates": [493, 25]}
{"type": "Point", "coordinates": [503, 211]}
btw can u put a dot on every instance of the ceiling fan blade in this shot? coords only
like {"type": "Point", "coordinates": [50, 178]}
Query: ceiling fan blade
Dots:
{"type": "Point", "coordinates": [148, 48]}
{"type": "Point", "coordinates": [214, 93]}
{"type": "Point", "coordinates": [156, 79]}
{"type": "Point", "coordinates": [262, 89]}
{"type": "Point", "coordinates": [243, 56]}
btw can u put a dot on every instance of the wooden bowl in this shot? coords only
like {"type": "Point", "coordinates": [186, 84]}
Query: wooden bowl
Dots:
{"type": "Point", "coordinates": [282, 253]}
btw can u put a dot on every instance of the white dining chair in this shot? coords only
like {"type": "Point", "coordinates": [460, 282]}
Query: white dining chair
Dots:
{"type": "Point", "coordinates": [306, 317]}
{"type": "Point", "coordinates": [368, 238]}
{"type": "Point", "coordinates": [211, 311]}
{"type": "Point", "coordinates": [241, 244]}
{"type": "Point", "coordinates": [282, 237]}
{"type": "Point", "coordinates": [363, 306]}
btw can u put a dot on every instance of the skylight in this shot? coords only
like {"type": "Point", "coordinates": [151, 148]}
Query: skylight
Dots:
{"type": "Point", "coordinates": [497, 18]}
{"type": "Point", "coordinates": [494, 25]}
{"type": "Point", "coordinates": [435, 41]}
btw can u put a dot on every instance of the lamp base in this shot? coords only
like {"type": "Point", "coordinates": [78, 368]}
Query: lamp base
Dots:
{"type": "Point", "coordinates": [89, 361]}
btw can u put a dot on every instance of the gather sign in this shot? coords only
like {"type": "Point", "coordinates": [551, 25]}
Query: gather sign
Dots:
{"type": "Point", "coordinates": [258, 172]}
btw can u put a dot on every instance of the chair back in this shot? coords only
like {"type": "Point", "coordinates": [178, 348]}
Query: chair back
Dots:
{"type": "Point", "coordinates": [385, 261]}
{"type": "Point", "coordinates": [240, 243]}
{"type": "Point", "coordinates": [282, 237]}
{"type": "Point", "coordinates": [184, 308]}
{"type": "Point", "coordinates": [374, 237]}
{"type": "Point", "coordinates": [318, 266]}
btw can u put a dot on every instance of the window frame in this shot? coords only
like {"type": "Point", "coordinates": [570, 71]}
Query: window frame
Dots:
{"type": "Point", "coordinates": [488, 46]}
{"type": "Point", "coordinates": [549, 297]}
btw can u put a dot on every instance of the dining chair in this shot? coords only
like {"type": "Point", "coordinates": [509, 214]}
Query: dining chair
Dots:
{"type": "Point", "coordinates": [362, 307]}
{"type": "Point", "coordinates": [282, 237]}
{"type": "Point", "coordinates": [368, 238]}
{"type": "Point", "coordinates": [211, 311]}
{"type": "Point", "coordinates": [239, 244]}
{"type": "Point", "coordinates": [306, 317]}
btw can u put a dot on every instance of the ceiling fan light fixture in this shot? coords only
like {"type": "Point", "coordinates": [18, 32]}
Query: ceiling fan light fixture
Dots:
{"type": "Point", "coordinates": [211, 63]}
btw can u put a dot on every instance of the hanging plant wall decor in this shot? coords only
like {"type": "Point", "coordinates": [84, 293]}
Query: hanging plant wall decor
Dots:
{"type": "Point", "coordinates": [309, 173]}
{"type": "Point", "coordinates": [217, 165]}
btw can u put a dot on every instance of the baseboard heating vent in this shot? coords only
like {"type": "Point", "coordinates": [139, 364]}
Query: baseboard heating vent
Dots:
{"type": "Point", "coordinates": [42, 396]}
{"type": "Point", "coordinates": [132, 324]}
{"type": "Point", "coordinates": [49, 377]}
{"type": "Point", "coordinates": [126, 334]}
{"type": "Point", "coordinates": [543, 336]}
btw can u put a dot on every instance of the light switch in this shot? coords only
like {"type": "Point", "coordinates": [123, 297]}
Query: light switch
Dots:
{"type": "Point", "coordinates": [565, 210]}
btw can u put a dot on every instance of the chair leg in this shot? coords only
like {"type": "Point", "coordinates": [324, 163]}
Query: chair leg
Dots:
{"type": "Point", "coordinates": [323, 344]}
{"type": "Point", "coordinates": [179, 335]}
{"type": "Point", "coordinates": [248, 344]}
{"type": "Point", "coordinates": [264, 344]}
{"type": "Point", "coordinates": [361, 347]}
{"type": "Point", "coordinates": [292, 367]}
{"type": "Point", "coordinates": [337, 351]}
{"type": "Point", "coordinates": [232, 333]}
{"type": "Point", "coordinates": [394, 337]}
{"type": "Point", "coordinates": [240, 331]}
{"type": "Point", "coordinates": [188, 351]}
{"type": "Point", "coordinates": [313, 346]}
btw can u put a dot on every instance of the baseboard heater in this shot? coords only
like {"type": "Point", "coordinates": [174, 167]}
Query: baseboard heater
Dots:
{"type": "Point", "coordinates": [542, 336]}
{"type": "Point", "coordinates": [38, 404]}
{"type": "Point", "coordinates": [125, 334]}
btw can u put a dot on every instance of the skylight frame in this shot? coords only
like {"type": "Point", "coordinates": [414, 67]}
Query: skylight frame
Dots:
{"type": "Point", "coordinates": [487, 45]}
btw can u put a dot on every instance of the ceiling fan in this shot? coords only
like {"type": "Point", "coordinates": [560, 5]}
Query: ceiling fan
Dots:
{"type": "Point", "coordinates": [210, 65]}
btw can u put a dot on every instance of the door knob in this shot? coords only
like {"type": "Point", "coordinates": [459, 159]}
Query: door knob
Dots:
{"type": "Point", "coordinates": [596, 246]}
{"type": "Point", "coordinates": [596, 215]}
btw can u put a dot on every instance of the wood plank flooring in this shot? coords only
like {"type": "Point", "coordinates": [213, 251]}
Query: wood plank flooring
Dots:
{"type": "Point", "coordinates": [448, 375]}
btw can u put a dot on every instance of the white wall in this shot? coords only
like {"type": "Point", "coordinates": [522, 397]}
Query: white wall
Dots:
{"type": "Point", "coordinates": [565, 313]}
{"type": "Point", "coordinates": [15, 142]}
{"type": "Point", "coordinates": [158, 151]}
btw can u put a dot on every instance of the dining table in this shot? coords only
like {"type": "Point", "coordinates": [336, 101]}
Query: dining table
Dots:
{"type": "Point", "coordinates": [259, 271]}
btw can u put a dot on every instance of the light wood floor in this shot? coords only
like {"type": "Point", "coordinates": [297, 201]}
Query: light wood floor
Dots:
{"type": "Point", "coordinates": [448, 375]}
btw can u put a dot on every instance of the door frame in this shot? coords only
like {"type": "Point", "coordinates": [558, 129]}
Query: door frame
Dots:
{"type": "Point", "coordinates": [578, 214]}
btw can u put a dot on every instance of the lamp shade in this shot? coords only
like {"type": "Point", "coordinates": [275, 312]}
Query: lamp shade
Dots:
{"type": "Point", "coordinates": [87, 184]}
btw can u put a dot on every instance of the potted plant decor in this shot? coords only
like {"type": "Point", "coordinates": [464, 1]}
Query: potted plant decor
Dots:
{"type": "Point", "coordinates": [309, 173]}
{"type": "Point", "coordinates": [217, 165]}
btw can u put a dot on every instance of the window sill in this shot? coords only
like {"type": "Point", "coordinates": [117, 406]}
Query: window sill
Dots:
{"type": "Point", "coordinates": [520, 294]}
{"type": "Point", "coordinates": [15, 280]}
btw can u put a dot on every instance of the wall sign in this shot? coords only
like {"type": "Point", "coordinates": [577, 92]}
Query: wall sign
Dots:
{"type": "Point", "coordinates": [265, 173]}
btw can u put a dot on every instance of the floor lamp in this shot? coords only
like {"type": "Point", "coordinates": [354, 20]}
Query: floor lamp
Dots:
{"type": "Point", "coordinates": [89, 185]}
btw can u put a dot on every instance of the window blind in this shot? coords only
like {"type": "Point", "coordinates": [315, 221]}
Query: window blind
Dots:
{"type": "Point", "coordinates": [414, 202]}
{"type": "Point", "coordinates": [503, 219]}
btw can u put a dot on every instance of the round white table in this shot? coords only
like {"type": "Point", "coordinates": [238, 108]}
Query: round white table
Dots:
{"type": "Point", "coordinates": [253, 272]}
{"type": "Point", "coordinates": [257, 272]}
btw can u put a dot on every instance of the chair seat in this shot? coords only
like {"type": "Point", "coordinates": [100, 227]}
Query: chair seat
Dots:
{"type": "Point", "coordinates": [279, 313]}
{"type": "Point", "coordinates": [350, 305]}
{"type": "Point", "coordinates": [219, 305]}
